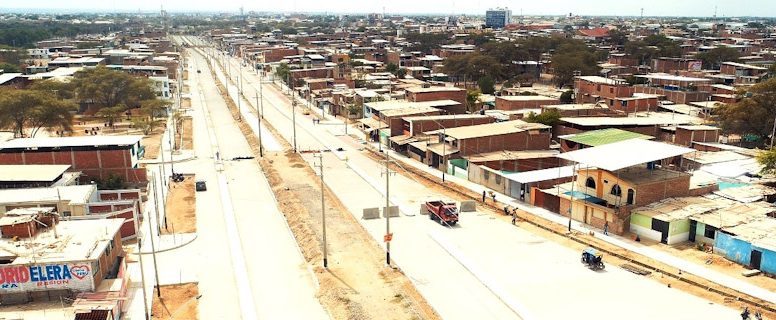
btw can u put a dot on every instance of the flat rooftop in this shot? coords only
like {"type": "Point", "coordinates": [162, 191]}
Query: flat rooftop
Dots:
{"type": "Point", "coordinates": [672, 209]}
{"type": "Point", "coordinates": [79, 194]}
{"type": "Point", "coordinates": [511, 155]}
{"type": "Point", "coordinates": [490, 129]}
{"type": "Point", "coordinates": [31, 172]}
{"type": "Point", "coordinates": [447, 117]}
{"type": "Point", "coordinates": [526, 98]}
{"type": "Point", "coordinates": [397, 104]}
{"type": "Point", "coordinates": [625, 121]}
{"type": "Point", "coordinates": [578, 106]}
{"type": "Point", "coordinates": [433, 89]}
{"type": "Point", "coordinates": [604, 136]}
{"type": "Point", "coordinates": [63, 142]}
{"type": "Point", "coordinates": [642, 175]}
{"type": "Point", "coordinates": [76, 240]}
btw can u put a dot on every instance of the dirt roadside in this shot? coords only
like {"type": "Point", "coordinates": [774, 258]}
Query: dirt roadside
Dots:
{"type": "Point", "coordinates": [614, 255]}
{"type": "Point", "coordinates": [178, 301]}
{"type": "Point", "coordinates": [356, 285]}
{"type": "Point", "coordinates": [181, 207]}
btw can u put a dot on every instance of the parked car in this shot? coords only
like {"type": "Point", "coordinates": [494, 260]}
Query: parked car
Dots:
{"type": "Point", "coordinates": [200, 185]}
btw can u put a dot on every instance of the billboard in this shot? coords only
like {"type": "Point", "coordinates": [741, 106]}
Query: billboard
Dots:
{"type": "Point", "coordinates": [695, 66]}
{"type": "Point", "coordinates": [43, 277]}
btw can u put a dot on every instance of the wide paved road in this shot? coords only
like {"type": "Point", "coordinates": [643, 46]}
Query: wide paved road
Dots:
{"type": "Point", "coordinates": [249, 265]}
{"type": "Point", "coordinates": [483, 268]}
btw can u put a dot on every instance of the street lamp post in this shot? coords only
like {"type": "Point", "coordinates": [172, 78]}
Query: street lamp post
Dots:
{"type": "Point", "coordinates": [388, 236]}
{"type": "Point", "coordinates": [261, 148]}
{"type": "Point", "coordinates": [323, 213]}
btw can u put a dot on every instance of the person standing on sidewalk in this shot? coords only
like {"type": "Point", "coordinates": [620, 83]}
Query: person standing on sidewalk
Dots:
{"type": "Point", "coordinates": [483, 195]}
{"type": "Point", "coordinates": [606, 228]}
{"type": "Point", "coordinates": [493, 194]}
{"type": "Point", "coordinates": [514, 217]}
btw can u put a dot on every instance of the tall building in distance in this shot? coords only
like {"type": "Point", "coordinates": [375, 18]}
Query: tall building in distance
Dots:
{"type": "Point", "coordinates": [498, 18]}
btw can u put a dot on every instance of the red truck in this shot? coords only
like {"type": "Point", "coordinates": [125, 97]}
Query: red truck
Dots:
{"type": "Point", "coordinates": [444, 213]}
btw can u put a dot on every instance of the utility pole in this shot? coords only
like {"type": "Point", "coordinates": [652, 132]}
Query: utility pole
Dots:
{"type": "Point", "coordinates": [164, 208]}
{"type": "Point", "coordinates": [388, 235]}
{"type": "Point", "coordinates": [153, 250]}
{"type": "Point", "coordinates": [239, 92]}
{"type": "Point", "coordinates": [261, 147]}
{"type": "Point", "coordinates": [293, 110]}
{"type": "Point", "coordinates": [140, 257]}
{"type": "Point", "coordinates": [261, 93]}
{"type": "Point", "coordinates": [323, 211]}
{"type": "Point", "coordinates": [444, 144]}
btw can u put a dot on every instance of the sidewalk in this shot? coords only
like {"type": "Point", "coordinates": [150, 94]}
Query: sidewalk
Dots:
{"type": "Point", "coordinates": [683, 265]}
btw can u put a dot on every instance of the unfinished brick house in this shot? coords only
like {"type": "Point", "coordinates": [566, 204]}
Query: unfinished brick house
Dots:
{"type": "Point", "coordinates": [96, 157]}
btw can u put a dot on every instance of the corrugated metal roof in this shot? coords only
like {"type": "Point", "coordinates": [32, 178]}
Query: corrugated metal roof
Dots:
{"type": "Point", "coordinates": [605, 136]}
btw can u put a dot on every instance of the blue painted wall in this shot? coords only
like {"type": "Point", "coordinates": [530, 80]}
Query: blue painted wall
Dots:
{"type": "Point", "coordinates": [733, 249]}
{"type": "Point", "coordinates": [768, 263]}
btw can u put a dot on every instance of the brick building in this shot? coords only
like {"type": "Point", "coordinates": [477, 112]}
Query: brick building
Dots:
{"type": "Point", "coordinates": [77, 257]}
{"type": "Point", "coordinates": [670, 65]}
{"type": "Point", "coordinates": [613, 179]}
{"type": "Point", "coordinates": [96, 157]}
{"type": "Point", "coordinates": [524, 102]}
{"type": "Point", "coordinates": [591, 89]}
{"type": "Point", "coordinates": [420, 94]}
{"type": "Point", "coordinates": [460, 142]}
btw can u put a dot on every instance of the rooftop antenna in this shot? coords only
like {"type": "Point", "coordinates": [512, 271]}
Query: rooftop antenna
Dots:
{"type": "Point", "coordinates": [642, 13]}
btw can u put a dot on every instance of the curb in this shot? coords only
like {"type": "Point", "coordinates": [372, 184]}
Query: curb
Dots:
{"type": "Point", "coordinates": [170, 248]}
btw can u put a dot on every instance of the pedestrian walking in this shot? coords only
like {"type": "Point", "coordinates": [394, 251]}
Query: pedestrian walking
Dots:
{"type": "Point", "coordinates": [514, 218]}
{"type": "Point", "coordinates": [483, 195]}
{"type": "Point", "coordinates": [606, 228]}
{"type": "Point", "coordinates": [493, 195]}
{"type": "Point", "coordinates": [218, 157]}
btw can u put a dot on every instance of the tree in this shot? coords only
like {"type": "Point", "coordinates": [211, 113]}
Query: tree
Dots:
{"type": "Point", "coordinates": [653, 46]}
{"type": "Point", "coordinates": [283, 72]}
{"type": "Point", "coordinates": [768, 160]}
{"type": "Point", "coordinates": [146, 124]}
{"type": "Point", "coordinates": [426, 42]}
{"type": "Point", "coordinates": [714, 58]}
{"type": "Point", "coordinates": [401, 73]}
{"type": "Point", "coordinates": [550, 117]}
{"type": "Point", "coordinates": [567, 97]}
{"type": "Point", "coordinates": [111, 114]}
{"type": "Point", "coordinates": [105, 88]}
{"type": "Point", "coordinates": [472, 96]}
{"type": "Point", "coordinates": [567, 64]}
{"type": "Point", "coordinates": [30, 109]}
{"type": "Point", "coordinates": [486, 85]}
{"type": "Point", "coordinates": [9, 68]}
{"type": "Point", "coordinates": [61, 89]}
{"type": "Point", "coordinates": [392, 68]}
{"type": "Point", "coordinates": [617, 38]}
{"type": "Point", "coordinates": [753, 115]}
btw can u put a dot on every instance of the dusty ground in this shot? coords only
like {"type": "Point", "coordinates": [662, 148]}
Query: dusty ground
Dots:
{"type": "Point", "coordinates": [181, 207]}
{"type": "Point", "coordinates": [689, 251]}
{"type": "Point", "coordinates": [186, 130]}
{"type": "Point", "coordinates": [177, 302]}
{"type": "Point", "coordinates": [152, 143]}
{"type": "Point", "coordinates": [186, 103]}
{"type": "Point", "coordinates": [357, 285]}
{"type": "Point", "coordinates": [551, 231]}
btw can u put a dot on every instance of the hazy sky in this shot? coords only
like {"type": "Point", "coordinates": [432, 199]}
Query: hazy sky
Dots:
{"type": "Point", "coordinates": [556, 7]}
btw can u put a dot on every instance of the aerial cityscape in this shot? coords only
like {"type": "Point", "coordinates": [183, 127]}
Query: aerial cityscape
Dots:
{"type": "Point", "coordinates": [388, 160]}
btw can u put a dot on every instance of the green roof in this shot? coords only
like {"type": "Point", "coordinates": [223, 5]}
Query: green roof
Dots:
{"type": "Point", "coordinates": [605, 136]}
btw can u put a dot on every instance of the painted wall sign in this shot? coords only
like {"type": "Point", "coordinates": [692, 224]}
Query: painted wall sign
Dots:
{"type": "Point", "coordinates": [42, 277]}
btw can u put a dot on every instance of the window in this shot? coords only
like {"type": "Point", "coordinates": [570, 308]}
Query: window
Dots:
{"type": "Point", "coordinates": [611, 90]}
{"type": "Point", "coordinates": [485, 174]}
{"type": "Point", "coordinates": [624, 103]}
{"type": "Point", "coordinates": [498, 179]}
{"type": "Point", "coordinates": [616, 190]}
{"type": "Point", "coordinates": [590, 183]}
{"type": "Point", "coordinates": [709, 232]}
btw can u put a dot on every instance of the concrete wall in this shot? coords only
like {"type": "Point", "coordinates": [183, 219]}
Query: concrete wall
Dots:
{"type": "Point", "coordinates": [518, 141]}
{"type": "Point", "coordinates": [732, 248]}
{"type": "Point", "coordinates": [768, 262]}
